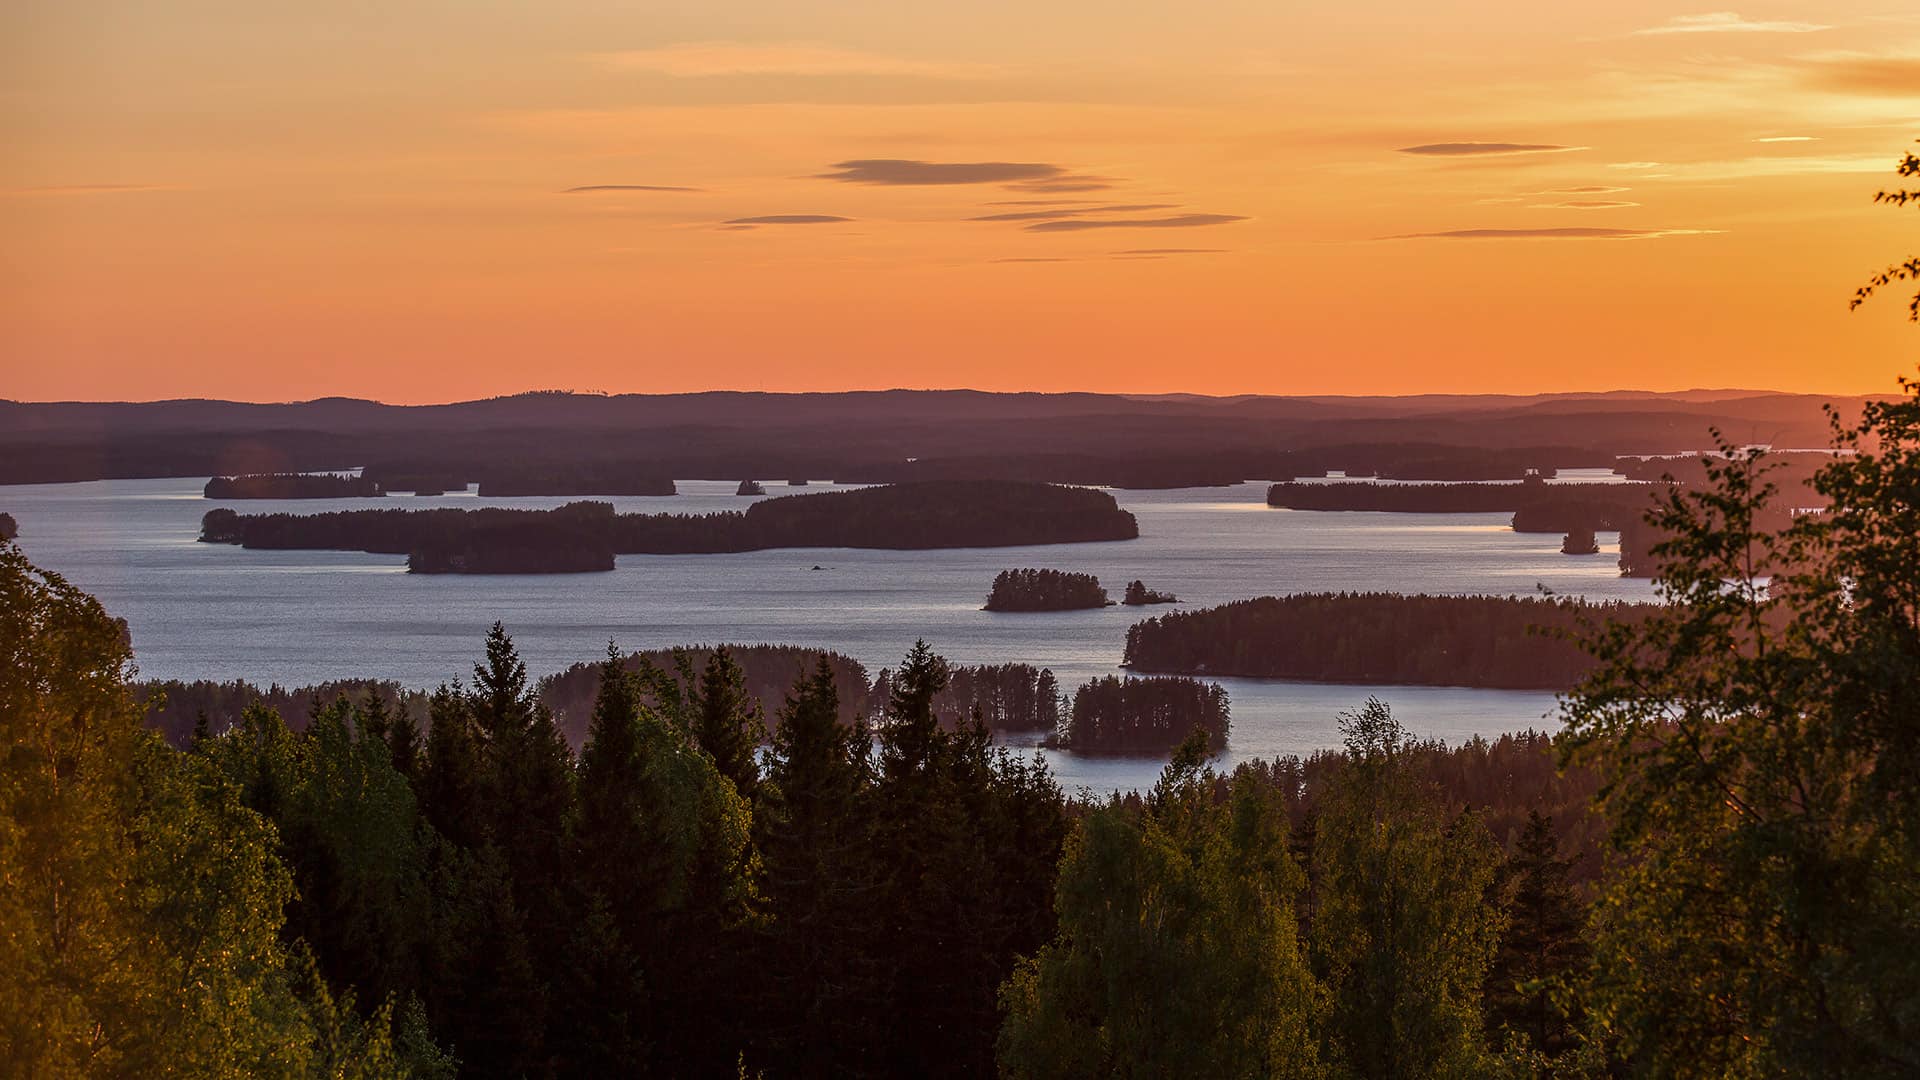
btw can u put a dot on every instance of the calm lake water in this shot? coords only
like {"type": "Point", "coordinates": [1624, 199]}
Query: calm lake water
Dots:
{"type": "Point", "coordinates": [207, 611]}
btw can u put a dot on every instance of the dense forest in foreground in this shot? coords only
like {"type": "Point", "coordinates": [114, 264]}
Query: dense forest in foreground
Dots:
{"type": "Point", "coordinates": [1517, 643]}
{"type": "Point", "coordinates": [901, 516]}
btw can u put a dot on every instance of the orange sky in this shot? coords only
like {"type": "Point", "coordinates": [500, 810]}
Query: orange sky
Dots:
{"type": "Point", "coordinates": [276, 201]}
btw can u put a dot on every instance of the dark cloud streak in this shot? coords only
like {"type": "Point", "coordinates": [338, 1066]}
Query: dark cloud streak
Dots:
{"type": "Point", "coordinates": [1178, 221]}
{"type": "Point", "coordinates": [902, 172]}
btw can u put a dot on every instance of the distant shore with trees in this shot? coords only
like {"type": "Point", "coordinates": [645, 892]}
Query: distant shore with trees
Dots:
{"type": "Point", "coordinates": [901, 517]}
{"type": "Point", "coordinates": [1379, 639]}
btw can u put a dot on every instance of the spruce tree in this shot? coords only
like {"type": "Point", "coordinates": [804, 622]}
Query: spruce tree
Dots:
{"type": "Point", "coordinates": [1542, 947]}
{"type": "Point", "coordinates": [820, 882]}
{"type": "Point", "coordinates": [727, 722]}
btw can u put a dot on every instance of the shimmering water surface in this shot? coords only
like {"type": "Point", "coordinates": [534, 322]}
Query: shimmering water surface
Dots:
{"type": "Point", "coordinates": [294, 617]}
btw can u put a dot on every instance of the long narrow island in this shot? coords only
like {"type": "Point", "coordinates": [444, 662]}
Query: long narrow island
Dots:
{"type": "Point", "coordinates": [1490, 642]}
{"type": "Point", "coordinates": [922, 516]}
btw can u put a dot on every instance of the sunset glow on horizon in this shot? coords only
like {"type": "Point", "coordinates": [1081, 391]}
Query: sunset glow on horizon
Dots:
{"type": "Point", "coordinates": [438, 201]}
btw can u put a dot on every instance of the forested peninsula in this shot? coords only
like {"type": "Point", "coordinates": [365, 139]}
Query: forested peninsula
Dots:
{"type": "Point", "coordinates": [1379, 639]}
{"type": "Point", "coordinates": [291, 486]}
{"type": "Point", "coordinates": [904, 516]}
{"type": "Point", "coordinates": [1536, 506]}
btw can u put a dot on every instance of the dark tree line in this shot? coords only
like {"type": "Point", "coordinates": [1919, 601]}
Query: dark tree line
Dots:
{"type": "Point", "coordinates": [1143, 717]}
{"type": "Point", "coordinates": [9, 528]}
{"type": "Point", "coordinates": [1045, 590]}
{"type": "Point", "coordinates": [906, 516]}
{"type": "Point", "coordinates": [1380, 638]}
{"type": "Point", "coordinates": [1536, 506]}
{"type": "Point", "coordinates": [292, 486]}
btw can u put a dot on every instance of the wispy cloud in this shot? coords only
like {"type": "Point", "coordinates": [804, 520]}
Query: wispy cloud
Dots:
{"type": "Point", "coordinates": [1564, 233]}
{"type": "Point", "coordinates": [1066, 184]}
{"type": "Point", "coordinates": [907, 173]}
{"type": "Point", "coordinates": [707, 59]}
{"type": "Point", "coordinates": [1787, 138]}
{"type": "Point", "coordinates": [1178, 221]}
{"type": "Point", "coordinates": [1472, 149]}
{"type": "Point", "coordinates": [1073, 212]}
{"type": "Point", "coordinates": [589, 189]}
{"type": "Point", "coordinates": [1857, 73]}
{"type": "Point", "coordinates": [1583, 204]}
{"type": "Point", "coordinates": [1728, 22]}
{"type": "Point", "coordinates": [1172, 251]}
{"type": "Point", "coordinates": [788, 219]}
{"type": "Point", "coordinates": [1636, 166]}
{"type": "Point", "coordinates": [1585, 189]}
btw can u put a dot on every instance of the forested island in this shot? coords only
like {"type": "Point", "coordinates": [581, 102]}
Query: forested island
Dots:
{"type": "Point", "coordinates": [1152, 716]}
{"type": "Point", "coordinates": [750, 487]}
{"type": "Point", "coordinates": [1380, 639]}
{"type": "Point", "coordinates": [9, 528]}
{"type": "Point", "coordinates": [903, 516]}
{"type": "Point", "coordinates": [292, 486]}
{"type": "Point", "coordinates": [1138, 595]}
{"type": "Point", "coordinates": [1045, 590]}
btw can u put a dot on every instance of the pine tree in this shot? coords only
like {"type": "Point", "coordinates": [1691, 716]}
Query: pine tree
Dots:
{"type": "Point", "coordinates": [820, 884]}
{"type": "Point", "coordinates": [727, 722]}
{"type": "Point", "coordinates": [1542, 947]}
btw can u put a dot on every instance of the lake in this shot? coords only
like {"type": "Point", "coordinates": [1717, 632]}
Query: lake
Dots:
{"type": "Point", "coordinates": [212, 611]}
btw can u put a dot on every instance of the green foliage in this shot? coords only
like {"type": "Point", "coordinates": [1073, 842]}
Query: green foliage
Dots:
{"type": "Point", "coordinates": [1178, 951]}
{"type": "Point", "coordinates": [143, 899]}
{"type": "Point", "coordinates": [1765, 793]}
{"type": "Point", "coordinates": [1402, 932]}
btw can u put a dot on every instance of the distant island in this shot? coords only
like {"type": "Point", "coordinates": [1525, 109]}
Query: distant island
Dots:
{"type": "Point", "coordinates": [750, 487]}
{"type": "Point", "coordinates": [1378, 639]}
{"type": "Point", "coordinates": [1138, 595]}
{"type": "Point", "coordinates": [1580, 542]}
{"type": "Point", "coordinates": [901, 517]}
{"type": "Point", "coordinates": [1045, 590]}
{"type": "Point", "coordinates": [9, 528]}
{"type": "Point", "coordinates": [1135, 716]}
{"type": "Point", "coordinates": [291, 486]}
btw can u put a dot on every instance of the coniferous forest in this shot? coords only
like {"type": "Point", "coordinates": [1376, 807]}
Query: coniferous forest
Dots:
{"type": "Point", "coordinates": [1706, 874]}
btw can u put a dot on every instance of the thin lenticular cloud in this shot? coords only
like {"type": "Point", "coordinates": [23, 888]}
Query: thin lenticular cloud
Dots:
{"type": "Point", "coordinates": [1564, 233]}
{"type": "Point", "coordinates": [788, 219]}
{"type": "Point", "coordinates": [1065, 185]}
{"type": "Point", "coordinates": [1728, 22]}
{"type": "Point", "coordinates": [1178, 221]}
{"type": "Point", "coordinates": [588, 189]}
{"type": "Point", "coordinates": [1588, 189]}
{"type": "Point", "coordinates": [908, 173]}
{"type": "Point", "coordinates": [1172, 251]}
{"type": "Point", "coordinates": [1082, 211]}
{"type": "Point", "coordinates": [1787, 138]}
{"type": "Point", "coordinates": [1473, 149]}
{"type": "Point", "coordinates": [1587, 204]}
